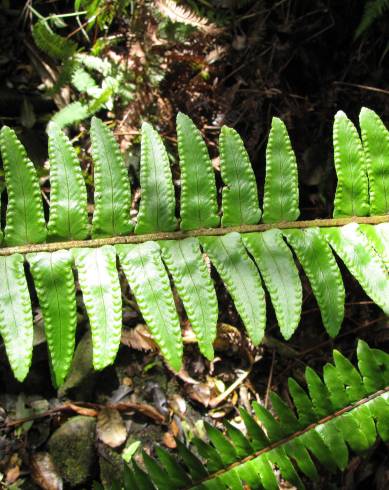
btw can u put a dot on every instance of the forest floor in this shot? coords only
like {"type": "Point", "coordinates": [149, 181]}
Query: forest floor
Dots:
{"type": "Point", "coordinates": [295, 60]}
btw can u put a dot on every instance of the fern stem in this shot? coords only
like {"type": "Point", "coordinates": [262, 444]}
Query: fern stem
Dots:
{"type": "Point", "coordinates": [178, 235]}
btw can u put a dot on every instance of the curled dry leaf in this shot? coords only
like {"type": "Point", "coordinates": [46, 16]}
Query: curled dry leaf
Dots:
{"type": "Point", "coordinates": [188, 335]}
{"type": "Point", "coordinates": [200, 392]}
{"type": "Point", "coordinates": [169, 441]}
{"type": "Point", "coordinates": [184, 375]}
{"type": "Point", "coordinates": [44, 473]}
{"type": "Point", "coordinates": [174, 427]}
{"type": "Point", "coordinates": [138, 338]}
{"type": "Point", "coordinates": [110, 427]}
{"type": "Point", "coordinates": [13, 471]}
{"type": "Point", "coordinates": [178, 404]}
{"type": "Point", "coordinates": [184, 15]}
{"type": "Point", "coordinates": [228, 337]}
{"type": "Point", "coordinates": [12, 474]}
{"type": "Point", "coordinates": [143, 408]}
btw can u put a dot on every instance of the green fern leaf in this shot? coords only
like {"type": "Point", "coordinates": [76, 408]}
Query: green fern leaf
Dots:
{"type": "Point", "coordinates": [378, 237]}
{"type": "Point", "coordinates": [281, 197]}
{"type": "Point", "coordinates": [157, 206]}
{"type": "Point", "coordinates": [68, 200]}
{"type": "Point", "coordinates": [56, 46]}
{"type": "Point", "coordinates": [82, 80]}
{"type": "Point", "coordinates": [95, 63]}
{"type": "Point", "coordinates": [70, 114]}
{"type": "Point", "coordinates": [373, 366]}
{"type": "Point", "coordinates": [241, 278]}
{"type": "Point", "coordinates": [198, 190]}
{"type": "Point", "coordinates": [362, 261]}
{"type": "Point", "coordinates": [16, 325]}
{"type": "Point", "coordinates": [240, 194]}
{"type": "Point", "coordinates": [372, 11]}
{"type": "Point", "coordinates": [54, 283]}
{"type": "Point", "coordinates": [64, 76]}
{"type": "Point", "coordinates": [351, 420]}
{"type": "Point", "coordinates": [147, 277]}
{"type": "Point", "coordinates": [319, 395]}
{"type": "Point", "coordinates": [320, 266]}
{"type": "Point", "coordinates": [375, 139]}
{"type": "Point", "coordinates": [352, 197]}
{"type": "Point", "coordinates": [112, 191]}
{"type": "Point", "coordinates": [174, 470]}
{"type": "Point", "coordinates": [364, 249]}
{"type": "Point", "coordinates": [25, 220]}
{"type": "Point", "coordinates": [100, 287]}
{"type": "Point", "coordinates": [101, 98]}
{"type": "Point", "coordinates": [184, 261]}
{"type": "Point", "coordinates": [334, 384]}
{"type": "Point", "coordinates": [275, 262]}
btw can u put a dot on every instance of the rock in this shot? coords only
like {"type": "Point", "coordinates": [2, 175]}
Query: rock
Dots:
{"type": "Point", "coordinates": [72, 448]}
{"type": "Point", "coordinates": [44, 473]}
{"type": "Point", "coordinates": [80, 382]}
{"type": "Point", "coordinates": [110, 427]}
{"type": "Point", "coordinates": [111, 466]}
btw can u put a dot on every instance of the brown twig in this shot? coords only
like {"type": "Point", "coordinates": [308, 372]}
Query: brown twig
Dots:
{"type": "Point", "coordinates": [269, 381]}
{"type": "Point", "coordinates": [345, 334]}
{"type": "Point", "coordinates": [92, 410]}
{"type": "Point", "coordinates": [364, 87]}
{"type": "Point", "coordinates": [214, 402]}
{"type": "Point", "coordinates": [176, 235]}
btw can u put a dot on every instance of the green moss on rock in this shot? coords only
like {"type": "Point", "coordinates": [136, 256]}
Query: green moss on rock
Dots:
{"type": "Point", "coordinates": [72, 448]}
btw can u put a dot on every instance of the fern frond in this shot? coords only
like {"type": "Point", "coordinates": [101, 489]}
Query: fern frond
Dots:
{"type": "Point", "coordinates": [242, 281]}
{"type": "Point", "coordinates": [16, 326]}
{"type": "Point", "coordinates": [198, 189]}
{"type": "Point", "coordinates": [278, 270]}
{"type": "Point", "coordinates": [361, 259]}
{"type": "Point", "coordinates": [68, 200]}
{"type": "Point", "coordinates": [72, 113]}
{"type": "Point", "coordinates": [240, 194]}
{"type": "Point", "coordinates": [281, 197]}
{"type": "Point", "coordinates": [372, 11]}
{"type": "Point", "coordinates": [324, 274]}
{"type": "Point", "coordinates": [157, 206]}
{"type": "Point", "coordinates": [94, 63]}
{"type": "Point", "coordinates": [100, 287]}
{"type": "Point", "coordinates": [25, 220]}
{"type": "Point", "coordinates": [82, 81]}
{"type": "Point", "coordinates": [320, 426]}
{"type": "Point", "coordinates": [244, 254]}
{"type": "Point", "coordinates": [54, 282]}
{"type": "Point", "coordinates": [183, 259]}
{"type": "Point", "coordinates": [184, 15]}
{"type": "Point", "coordinates": [52, 44]}
{"type": "Point", "coordinates": [148, 278]}
{"type": "Point", "coordinates": [378, 237]}
{"type": "Point", "coordinates": [352, 192]}
{"type": "Point", "coordinates": [376, 148]}
{"type": "Point", "coordinates": [112, 190]}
